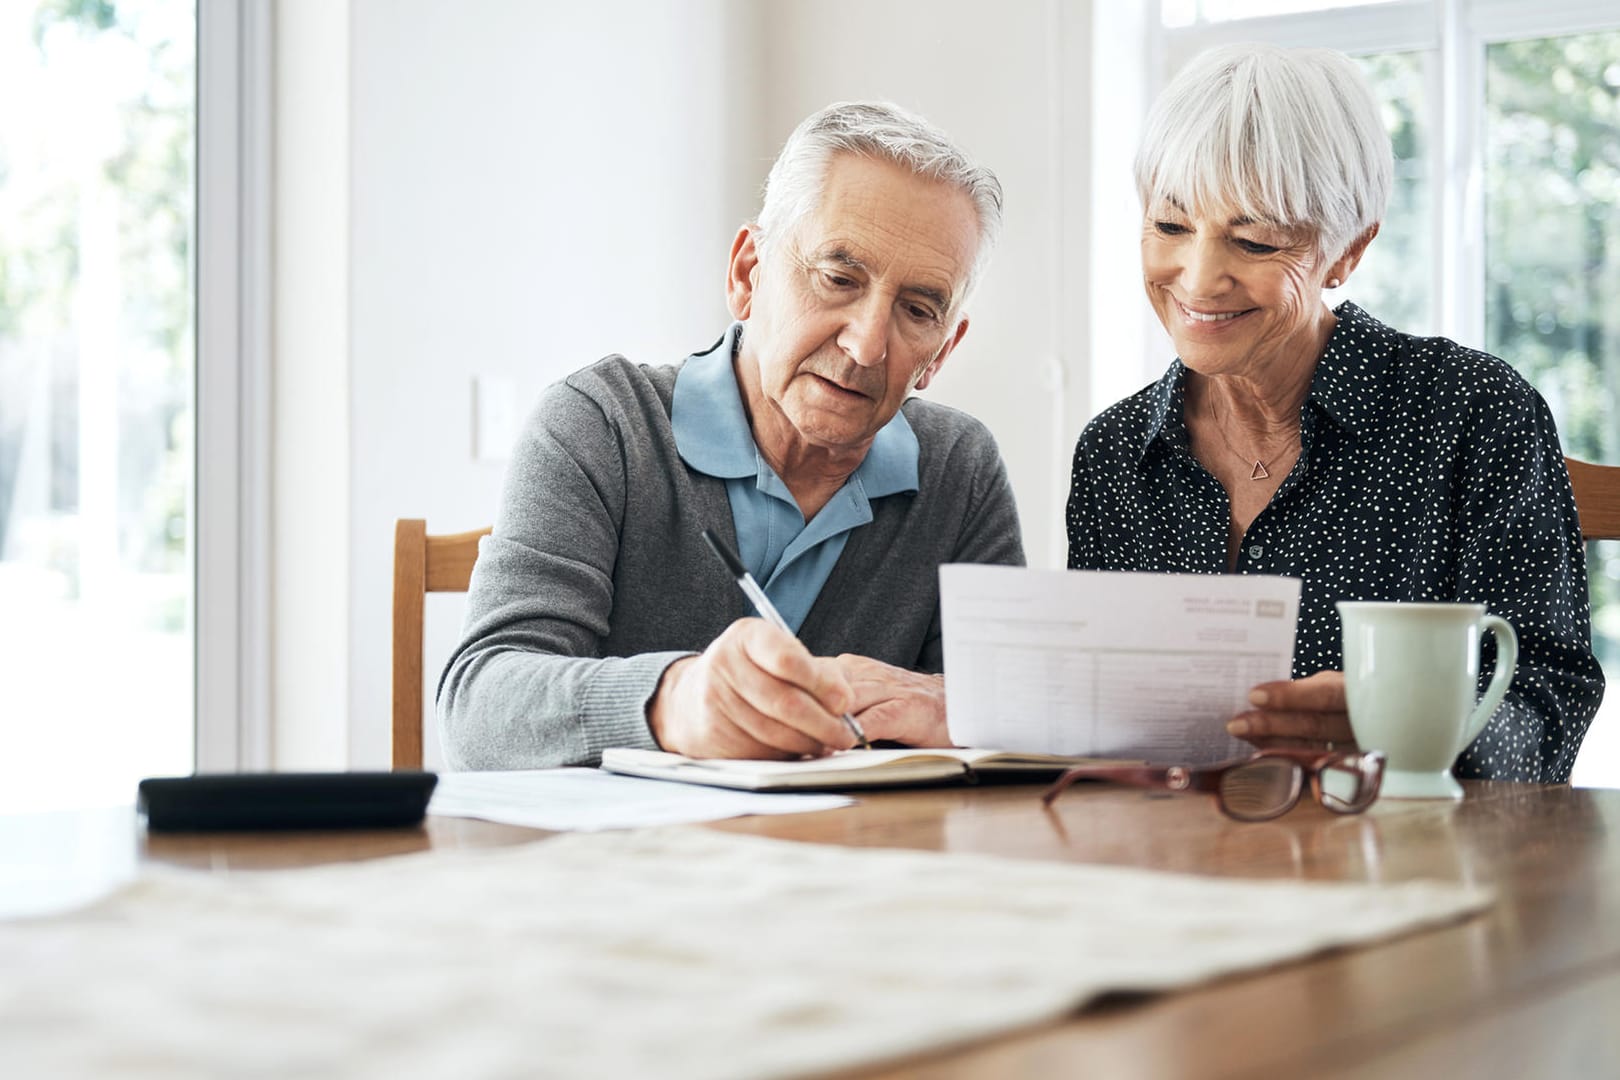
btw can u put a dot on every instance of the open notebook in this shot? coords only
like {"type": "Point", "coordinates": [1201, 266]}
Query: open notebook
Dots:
{"type": "Point", "coordinates": [844, 769]}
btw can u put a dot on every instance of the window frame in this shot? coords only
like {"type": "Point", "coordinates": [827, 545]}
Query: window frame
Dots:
{"type": "Point", "coordinates": [230, 518]}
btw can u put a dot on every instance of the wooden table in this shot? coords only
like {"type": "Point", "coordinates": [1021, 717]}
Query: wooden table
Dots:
{"type": "Point", "coordinates": [1530, 989]}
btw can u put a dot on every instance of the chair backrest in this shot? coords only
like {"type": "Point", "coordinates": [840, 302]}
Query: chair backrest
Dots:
{"type": "Point", "coordinates": [422, 564]}
{"type": "Point", "coordinates": [1597, 498]}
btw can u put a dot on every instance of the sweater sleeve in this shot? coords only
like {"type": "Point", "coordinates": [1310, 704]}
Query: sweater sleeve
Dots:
{"type": "Point", "coordinates": [1520, 554]}
{"type": "Point", "coordinates": [527, 686]}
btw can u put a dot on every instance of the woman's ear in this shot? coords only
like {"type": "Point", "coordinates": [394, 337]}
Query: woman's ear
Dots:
{"type": "Point", "coordinates": [1340, 271]}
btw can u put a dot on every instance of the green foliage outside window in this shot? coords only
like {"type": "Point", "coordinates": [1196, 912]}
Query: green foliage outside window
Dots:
{"type": "Point", "coordinates": [1393, 282]}
{"type": "Point", "coordinates": [1552, 247]}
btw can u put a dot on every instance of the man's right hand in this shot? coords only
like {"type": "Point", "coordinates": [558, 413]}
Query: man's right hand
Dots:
{"type": "Point", "coordinates": [756, 692]}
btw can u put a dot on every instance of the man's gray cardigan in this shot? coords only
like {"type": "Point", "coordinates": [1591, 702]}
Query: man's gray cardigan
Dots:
{"type": "Point", "coordinates": [596, 577]}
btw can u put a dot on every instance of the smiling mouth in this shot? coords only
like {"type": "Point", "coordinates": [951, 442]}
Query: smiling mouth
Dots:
{"type": "Point", "coordinates": [1208, 317]}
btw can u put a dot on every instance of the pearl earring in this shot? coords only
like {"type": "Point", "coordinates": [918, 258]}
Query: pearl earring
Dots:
{"type": "Point", "coordinates": [1333, 283]}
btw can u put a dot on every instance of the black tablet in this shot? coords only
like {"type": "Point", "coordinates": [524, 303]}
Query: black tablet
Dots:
{"type": "Point", "coordinates": [335, 800]}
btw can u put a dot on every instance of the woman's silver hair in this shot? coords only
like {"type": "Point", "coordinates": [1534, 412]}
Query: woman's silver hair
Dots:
{"type": "Point", "coordinates": [1291, 137]}
{"type": "Point", "coordinates": [884, 132]}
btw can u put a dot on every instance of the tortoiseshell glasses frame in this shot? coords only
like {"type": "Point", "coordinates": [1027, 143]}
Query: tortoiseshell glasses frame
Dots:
{"type": "Point", "coordinates": [1262, 786]}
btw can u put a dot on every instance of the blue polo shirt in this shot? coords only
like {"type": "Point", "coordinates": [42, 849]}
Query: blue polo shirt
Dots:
{"type": "Point", "coordinates": [788, 556]}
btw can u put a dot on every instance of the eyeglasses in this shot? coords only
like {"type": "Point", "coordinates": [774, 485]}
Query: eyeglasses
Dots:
{"type": "Point", "coordinates": [1265, 785]}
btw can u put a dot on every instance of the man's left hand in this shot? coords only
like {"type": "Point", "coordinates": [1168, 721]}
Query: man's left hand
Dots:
{"type": "Point", "coordinates": [896, 704]}
{"type": "Point", "coordinates": [1308, 713]}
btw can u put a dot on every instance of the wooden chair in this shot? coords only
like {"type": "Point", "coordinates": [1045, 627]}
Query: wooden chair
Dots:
{"type": "Point", "coordinates": [422, 564]}
{"type": "Point", "coordinates": [1597, 498]}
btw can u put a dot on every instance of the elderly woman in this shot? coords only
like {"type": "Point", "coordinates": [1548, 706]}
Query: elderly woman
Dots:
{"type": "Point", "coordinates": [1291, 439]}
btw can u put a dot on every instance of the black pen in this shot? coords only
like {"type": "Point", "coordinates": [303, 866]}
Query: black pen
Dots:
{"type": "Point", "coordinates": [767, 610]}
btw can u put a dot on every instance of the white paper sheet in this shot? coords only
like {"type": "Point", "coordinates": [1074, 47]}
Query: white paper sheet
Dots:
{"type": "Point", "coordinates": [1112, 665]}
{"type": "Point", "coordinates": [589, 799]}
{"type": "Point", "coordinates": [681, 954]}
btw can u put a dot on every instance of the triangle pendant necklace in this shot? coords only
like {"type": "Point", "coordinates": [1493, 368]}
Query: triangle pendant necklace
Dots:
{"type": "Point", "coordinates": [1259, 471]}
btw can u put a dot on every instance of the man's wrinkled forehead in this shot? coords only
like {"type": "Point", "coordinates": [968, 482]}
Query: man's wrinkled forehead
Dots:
{"type": "Point", "coordinates": [875, 217]}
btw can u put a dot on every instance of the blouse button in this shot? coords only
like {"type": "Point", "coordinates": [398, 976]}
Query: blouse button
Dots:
{"type": "Point", "coordinates": [1255, 550]}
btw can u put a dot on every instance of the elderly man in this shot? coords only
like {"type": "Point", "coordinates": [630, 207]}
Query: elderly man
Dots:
{"type": "Point", "coordinates": [597, 615]}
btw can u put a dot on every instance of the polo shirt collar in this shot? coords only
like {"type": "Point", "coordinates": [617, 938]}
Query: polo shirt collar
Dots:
{"type": "Point", "coordinates": [706, 413]}
{"type": "Point", "coordinates": [890, 466]}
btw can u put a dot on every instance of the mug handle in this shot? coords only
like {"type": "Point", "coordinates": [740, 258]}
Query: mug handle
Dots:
{"type": "Point", "coordinates": [1507, 659]}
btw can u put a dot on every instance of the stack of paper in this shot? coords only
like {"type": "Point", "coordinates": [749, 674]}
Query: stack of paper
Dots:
{"type": "Point", "coordinates": [586, 799]}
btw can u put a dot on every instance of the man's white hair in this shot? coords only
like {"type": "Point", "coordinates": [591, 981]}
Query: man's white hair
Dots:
{"type": "Point", "coordinates": [884, 132]}
{"type": "Point", "coordinates": [1291, 137]}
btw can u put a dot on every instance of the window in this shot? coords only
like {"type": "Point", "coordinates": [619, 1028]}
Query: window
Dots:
{"type": "Point", "coordinates": [1552, 228]}
{"type": "Point", "coordinates": [1504, 226]}
{"type": "Point", "coordinates": [1192, 12]}
{"type": "Point", "coordinates": [97, 157]}
{"type": "Point", "coordinates": [1552, 257]}
{"type": "Point", "coordinates": [1392, 281]}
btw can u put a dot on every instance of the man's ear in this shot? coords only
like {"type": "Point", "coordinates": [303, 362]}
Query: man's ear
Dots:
{"type": "Point", "coordinates": [928, 373]}
{"type": "Point", "coordinates": [742, 272]}
{"type": "Point", "coordinates": [1341, 270]}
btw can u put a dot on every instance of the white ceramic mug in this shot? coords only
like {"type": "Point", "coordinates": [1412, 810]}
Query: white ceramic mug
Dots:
{"type": "Point", "coordinates": [1410, 673]}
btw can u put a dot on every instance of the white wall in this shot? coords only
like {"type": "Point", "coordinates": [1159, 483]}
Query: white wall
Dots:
{"type": "Point", "coordinates": [533, 185]}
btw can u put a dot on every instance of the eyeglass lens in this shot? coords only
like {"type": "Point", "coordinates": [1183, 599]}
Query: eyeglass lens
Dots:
{"type": "Point", "coordinates": [1262, 788]}
{"type": "Point", "coordinates": [1349, 784]}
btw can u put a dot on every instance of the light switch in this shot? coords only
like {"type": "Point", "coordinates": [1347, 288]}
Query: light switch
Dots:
{"type": "Point", "coordinates": [494, 420]}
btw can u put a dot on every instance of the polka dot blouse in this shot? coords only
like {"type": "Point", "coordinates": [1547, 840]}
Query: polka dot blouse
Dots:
{"type": "Point", "coordinates": [1427, 472]}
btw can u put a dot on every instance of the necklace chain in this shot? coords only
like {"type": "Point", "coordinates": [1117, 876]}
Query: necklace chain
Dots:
{"type": "Point", "coordinates": [1259, 470]}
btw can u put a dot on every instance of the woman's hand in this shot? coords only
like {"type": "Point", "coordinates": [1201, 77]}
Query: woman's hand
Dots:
{"type": "Point", "coordinates": [1308, 713]}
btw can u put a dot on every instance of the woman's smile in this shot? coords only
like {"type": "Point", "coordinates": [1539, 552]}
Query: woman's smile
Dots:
{"type": "Point", "coordinates": [1209, 319]}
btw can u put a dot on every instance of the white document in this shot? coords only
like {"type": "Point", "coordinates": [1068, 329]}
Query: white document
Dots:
{"type": "Point", "coordinates": [680, 954]}
{"type": "Point", "coordinates": [1110, 664]}
{"type": "Point", "coordinates": [588, 799]}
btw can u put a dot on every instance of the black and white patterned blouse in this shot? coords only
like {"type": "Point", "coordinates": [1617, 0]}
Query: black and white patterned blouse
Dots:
{"type": "Point", "coordinates": [1427, 472]}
